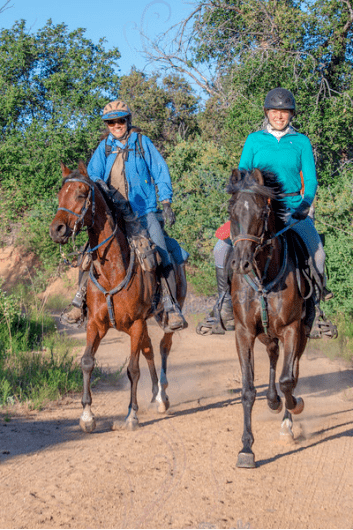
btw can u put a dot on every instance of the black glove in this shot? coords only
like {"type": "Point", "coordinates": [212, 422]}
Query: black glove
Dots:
{"type": "Point", "coordinates": [168, 214]}
{"type": "Point", "coordinates": [302, 211]}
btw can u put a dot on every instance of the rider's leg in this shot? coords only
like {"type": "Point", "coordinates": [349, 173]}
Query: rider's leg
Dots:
{"type": "Point", "coordinates": [220, 252]}
{"type": "Point", "coordinates": [79, 301]}
{"type": "Point", "coordinates": [221, 316]}
{"type": "Point", "coordinates": [175, 318]}
{"type": "Point", "coordinates": [320, 325]}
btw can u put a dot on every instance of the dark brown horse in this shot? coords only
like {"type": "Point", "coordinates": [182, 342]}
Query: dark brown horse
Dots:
{"type": "Point", "coordinates": [267, 295]}
{"type": "Point", "coordinates": [119, 293]}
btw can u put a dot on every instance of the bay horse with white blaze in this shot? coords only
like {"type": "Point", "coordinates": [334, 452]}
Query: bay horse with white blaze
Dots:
{"type": "Point", "coordinates": [268, 295]}
{"type": "Point", "coordinates": [119, 292]}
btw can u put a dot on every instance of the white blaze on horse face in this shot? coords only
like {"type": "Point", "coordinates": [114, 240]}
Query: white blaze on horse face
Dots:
{"type": "Point", "coordinates": [68, 188]}
{"type": "Point", "coordinates": [246, 205]}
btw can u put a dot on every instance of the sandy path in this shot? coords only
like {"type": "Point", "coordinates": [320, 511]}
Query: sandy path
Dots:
{"type": "Point", "coordinates": [178, 470]}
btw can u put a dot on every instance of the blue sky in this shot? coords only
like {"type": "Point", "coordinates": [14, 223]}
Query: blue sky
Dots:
{"type": "Point", "coordinates": [119, 21]}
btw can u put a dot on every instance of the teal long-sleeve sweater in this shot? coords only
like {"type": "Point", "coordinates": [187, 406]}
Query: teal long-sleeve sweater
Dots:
{"type": "Point", "coordinates": [285, 157]}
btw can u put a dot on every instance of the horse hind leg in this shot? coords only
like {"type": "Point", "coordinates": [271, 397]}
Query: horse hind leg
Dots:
{"type": "Point", "coordinates": [147, 351]}
{"type": "Point", "coordinates": [290, 373]}
{"type": "Point", "coordinates": [274, 402]}
{"type": "Point", "coordinates": [162, 397]}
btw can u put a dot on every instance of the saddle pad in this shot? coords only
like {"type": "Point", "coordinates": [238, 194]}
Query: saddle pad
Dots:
{"type": "Point", "coordinates": [223, 232]}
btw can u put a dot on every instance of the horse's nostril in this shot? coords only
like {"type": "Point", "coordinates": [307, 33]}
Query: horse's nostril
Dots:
{"type": "Point", "coordinates": [61, 230]}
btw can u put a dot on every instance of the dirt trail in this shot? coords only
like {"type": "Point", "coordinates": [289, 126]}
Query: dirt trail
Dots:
{"type": "Point", "coordinates": [178, 470]}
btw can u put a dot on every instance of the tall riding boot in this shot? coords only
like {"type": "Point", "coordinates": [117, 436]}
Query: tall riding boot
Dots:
{"type": "Point", "coordinates": [176, 320]}
{"type": "Point", "coordinates": [221, 317]}
{"type": "Point", "coordinates": [76, 315]}
{"type": "Point", "coordinates": [227, 315]}
{"type": "Point", "coordinates": [316, 323]}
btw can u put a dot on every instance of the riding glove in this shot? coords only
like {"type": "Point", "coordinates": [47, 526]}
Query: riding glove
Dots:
{"type": "Point", "coordinates": [302, 211]}
{"type": "Point", "coordinates": [168, 214]}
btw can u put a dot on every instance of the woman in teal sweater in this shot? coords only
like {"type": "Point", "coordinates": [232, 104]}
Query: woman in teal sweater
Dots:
{"type": "Point", "coordinates": [288, 154]}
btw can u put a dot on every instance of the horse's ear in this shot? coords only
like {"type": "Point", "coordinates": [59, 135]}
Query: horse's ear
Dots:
{"type": "Point", "coordinates": [65, 170]}
{"type": "Point", "coordinates": [82, 168]}
{"type": "Point", "coordinates": [258, 176]}
{"type": "Point", "coordinates": [235, 176]}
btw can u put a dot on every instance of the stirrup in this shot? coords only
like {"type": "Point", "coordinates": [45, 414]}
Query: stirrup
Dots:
{"type": "Point", "coordinates": [179, 324]}
{"type": "Point", "coordinates": [210, 326]}
{"type": "Point", "coordinates": [65, 320]}
{"type": "Point", "coordinates": [327, 294]}
{"type": "Point", "coordinates": [322, 328]}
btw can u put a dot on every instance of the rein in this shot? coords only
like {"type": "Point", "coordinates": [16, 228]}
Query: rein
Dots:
{"type": "Point", "coordinates": [108, 294]}
{"type": "Point", "coordinates": [256, 282]}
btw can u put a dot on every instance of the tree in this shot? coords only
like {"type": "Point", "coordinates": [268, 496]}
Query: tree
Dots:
{"type": "Point", "coordinates": [53, 86]}
{"type": "Point", "coordinates": [163, 108]}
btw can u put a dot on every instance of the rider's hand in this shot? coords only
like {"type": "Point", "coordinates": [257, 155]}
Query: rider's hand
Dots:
{"type": "Point", "coordinates": [168, 214]}
{"type": "Point", "coordinates": [302, 211]}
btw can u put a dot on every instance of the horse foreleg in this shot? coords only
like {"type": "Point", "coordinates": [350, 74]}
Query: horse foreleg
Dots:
{"type": "Point", "coordinates": [133, 371]}
{"type": "Point", "coordinates": [273, 400]}
{"type": "Point", "coordinates": [246, 457]}
{"type": "Point", "coordinates": [147, 350]}
{"type": "Point", "coordinates": [162, 398]}
{"type": "Point", "coordinates": [87, 420]}
{"type": "Point", "coordinates": [293, 348]}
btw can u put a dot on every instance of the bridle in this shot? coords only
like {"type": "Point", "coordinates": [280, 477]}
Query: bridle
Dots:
{"type": "Point", "coordinates": [80, 219]}
{"type": "Point", "coordinates": [257, 280]}
{"type": "Point", "coordinates": [261, 240]}
{"type": "Point", "coordinates": [89, 201]}
{"type": "Point", "coordinates": [81, 216]}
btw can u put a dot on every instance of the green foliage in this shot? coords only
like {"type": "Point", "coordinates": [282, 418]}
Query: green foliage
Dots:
{"type": "Point", "coordinates": [53, 85]}
{"type": "Point", "coordinates": [163, 108]}
{"type": "Point", "coordinates": [334, 212]}
{"type": "Point", "coordinates": [200, 172]}
{"type": "Point", "coordinates": [35, 364]}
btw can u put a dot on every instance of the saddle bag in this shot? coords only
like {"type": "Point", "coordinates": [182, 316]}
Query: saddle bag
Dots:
{"type": "Point", "coordinates": [146, 252]}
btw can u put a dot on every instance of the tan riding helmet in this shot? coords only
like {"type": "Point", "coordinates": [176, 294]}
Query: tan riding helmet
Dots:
{"type": "Point", "coordinates": [116, 109]}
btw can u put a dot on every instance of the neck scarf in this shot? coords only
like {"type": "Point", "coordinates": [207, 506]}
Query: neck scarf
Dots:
{"type": "Point", "coordinates": [278, 134]}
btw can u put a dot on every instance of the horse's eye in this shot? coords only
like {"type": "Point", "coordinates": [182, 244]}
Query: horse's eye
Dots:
{"type": "Point", "coordinates": [81, 197]}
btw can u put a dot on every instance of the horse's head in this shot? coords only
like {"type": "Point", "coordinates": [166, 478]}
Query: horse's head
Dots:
{"type": "Point", "coordinates": [76, 204]}
{"type": "Point", "coordinates": [251, 216]}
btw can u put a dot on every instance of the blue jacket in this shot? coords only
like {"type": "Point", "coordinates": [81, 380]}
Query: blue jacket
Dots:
{"type": "Point", "coordinates": [141, 172]}
{"type": "Point", "coordinates": [287, 158]}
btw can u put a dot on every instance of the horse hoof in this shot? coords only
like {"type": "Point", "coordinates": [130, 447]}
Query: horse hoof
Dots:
{"type": "Point", "coordinates": [88, 426]}
{"type": "Point", "coordinates": [299, 407]}
{"type": "Point", "coordinates": [163, 406]}
{"type": "Point", "coordinates": [246, 460]}
{"type": "Point", "coordinates": [132, 425]}
{"type": "Point", "coordinates": [278, 409]}
{"type": "Point", "coordinates": [286, 430]}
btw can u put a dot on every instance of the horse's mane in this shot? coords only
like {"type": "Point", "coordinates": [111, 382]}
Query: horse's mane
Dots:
{"type": "Point", "coordinates": [271, 189]}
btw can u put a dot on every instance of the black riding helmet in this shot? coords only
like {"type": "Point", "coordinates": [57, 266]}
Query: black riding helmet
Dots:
{"type": "Point", "coordinates": [279, 98]}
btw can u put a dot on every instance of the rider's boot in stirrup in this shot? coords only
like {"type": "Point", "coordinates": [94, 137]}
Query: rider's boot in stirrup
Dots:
{"type": "Point", "coordinates": [175, 319]}
{"type": "Point", "coordinates": [221, 317]}
{"type": "Point", "coordinates": [316, 323]}
{"type": "Point", "coordinates": [76, 315]}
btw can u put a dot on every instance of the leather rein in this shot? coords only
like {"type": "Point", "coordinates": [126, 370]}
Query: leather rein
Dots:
{"type": "Point", "coordinates": [90, 201]}
{"type": "Point", "coordinates": [257, 281]}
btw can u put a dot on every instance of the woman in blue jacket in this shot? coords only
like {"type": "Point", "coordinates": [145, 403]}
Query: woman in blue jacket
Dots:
{"type": "Point", "coordinates": [130, 168]}
{"type": "Point", "coordinates": [279, 148]}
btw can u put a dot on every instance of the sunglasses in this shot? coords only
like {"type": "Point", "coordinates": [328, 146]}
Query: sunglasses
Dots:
{"type": "Point", "coordinates": [119, 121]}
